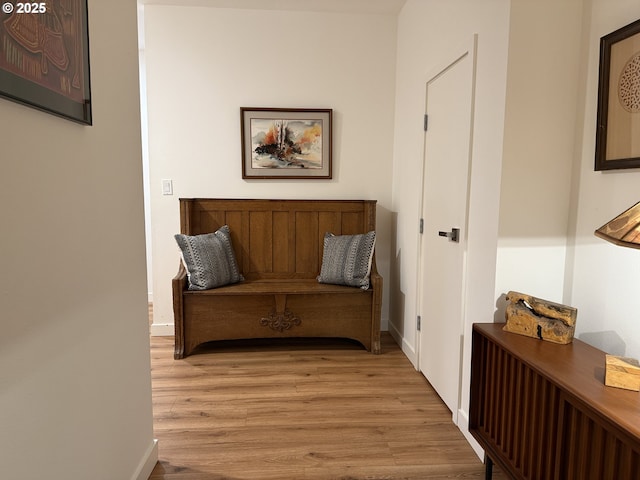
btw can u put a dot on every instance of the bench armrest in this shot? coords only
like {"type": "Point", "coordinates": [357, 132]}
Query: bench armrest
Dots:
{"type": "Point", "coordinates": [178, 285]}
{"type": "Point", "coordinates": [376, 282]}
{"type": "Point", "coordinates": [181, 275]}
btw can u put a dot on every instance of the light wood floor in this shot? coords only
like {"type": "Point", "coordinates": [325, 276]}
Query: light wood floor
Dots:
{"type": "Point", "coordinates": [301, 410]}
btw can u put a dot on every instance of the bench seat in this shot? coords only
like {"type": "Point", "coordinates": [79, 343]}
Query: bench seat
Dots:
{"type": "Point", "coordinates": [278, 286]}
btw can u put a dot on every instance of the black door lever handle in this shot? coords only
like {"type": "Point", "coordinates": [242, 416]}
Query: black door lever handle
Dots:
{"type": "Point", "coordinates": [453, 235]}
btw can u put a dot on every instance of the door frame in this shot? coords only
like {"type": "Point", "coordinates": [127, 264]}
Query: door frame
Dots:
{"type": "Point", "coordinates": [450, 58]}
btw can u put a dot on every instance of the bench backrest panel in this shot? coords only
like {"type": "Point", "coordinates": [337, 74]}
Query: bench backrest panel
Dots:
{"type": "Point", "coordinates": [277, 238]}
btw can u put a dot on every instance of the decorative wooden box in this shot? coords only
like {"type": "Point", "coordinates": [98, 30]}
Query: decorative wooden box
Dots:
{"type": "Point", "coordinates": [622, 372]}
{"type": "Point", "coordinates": [538, 318]}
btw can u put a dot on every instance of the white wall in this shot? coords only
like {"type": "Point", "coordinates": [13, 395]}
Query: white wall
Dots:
{"type": "Point", "coordinates": [543, 85]}
{"type": "Point", "coordinates": [551, 198]}
{"type": "Point", "coordinates": [427, 32]}
{"type": "Point", "coordinates": [604, 279]}
{"type": "Point", "coordinates": [75, 388]}
{"type": "Point", "coordinates": [203, 64]}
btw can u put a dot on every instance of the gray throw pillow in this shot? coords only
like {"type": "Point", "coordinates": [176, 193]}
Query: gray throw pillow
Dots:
{"type": "Point", "coordinates": [346, 259]}
{"type": "Point", "coordinates": [209, 259]}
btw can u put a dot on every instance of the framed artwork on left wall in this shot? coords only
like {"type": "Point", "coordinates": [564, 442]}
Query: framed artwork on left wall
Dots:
{"type": "Point", "coordinates": [44, 61]}
{"type": "Point", "coordinates": [618, 122]}
{"type": "Point", "coordinates": [282, 143]}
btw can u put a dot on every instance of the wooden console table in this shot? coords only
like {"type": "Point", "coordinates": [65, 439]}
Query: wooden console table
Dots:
{"type": "Point", "coordinates": [541, 410]}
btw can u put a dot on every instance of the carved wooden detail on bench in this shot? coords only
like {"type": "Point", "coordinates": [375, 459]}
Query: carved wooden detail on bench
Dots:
{"type": "Point", "coordinates": [280, 318]}
{"type": "Point", "coordinates": [280, 321]}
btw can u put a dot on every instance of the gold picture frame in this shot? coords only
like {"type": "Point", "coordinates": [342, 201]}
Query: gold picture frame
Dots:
{"type": "Point", "coordinates": [618, 120]}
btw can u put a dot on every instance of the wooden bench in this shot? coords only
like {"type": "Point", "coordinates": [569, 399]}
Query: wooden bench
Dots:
{"type": "Point", "coordinates": [278, 245]}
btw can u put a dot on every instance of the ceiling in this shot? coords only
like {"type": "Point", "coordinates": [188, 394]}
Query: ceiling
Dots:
{"type": "Point", "coordinates": [383, 7]}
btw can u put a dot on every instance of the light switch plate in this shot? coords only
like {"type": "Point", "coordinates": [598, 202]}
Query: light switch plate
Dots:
{"type": "Point", "coordinates": [167, 187]}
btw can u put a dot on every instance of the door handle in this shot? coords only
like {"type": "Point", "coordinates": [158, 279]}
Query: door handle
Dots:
{"type": "Point", "coordinates": [453, 235]}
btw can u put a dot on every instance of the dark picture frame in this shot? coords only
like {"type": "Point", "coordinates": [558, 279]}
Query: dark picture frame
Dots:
{"type": "Point", "coordinates": [45, 57]}
{"type": "Point", "coordinates": [286, 143]}
{"type": "Point", "coordinates": [618, 119]}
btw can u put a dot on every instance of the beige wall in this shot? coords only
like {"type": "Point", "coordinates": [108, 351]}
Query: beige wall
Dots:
{"type": "Point", "coordinates": [543, 88]}
{"type": "Point", "coordinates": [551, 198]}
{"type": "Point", "coordinates": [603, 280]}
{"type": "Point", "coordinates": [75, 397]}
{"type": "Point", "coordinates": [203, 64]}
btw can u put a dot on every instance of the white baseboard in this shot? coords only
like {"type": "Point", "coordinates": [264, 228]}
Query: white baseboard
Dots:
{"type": "Point", "coordinates": [162, 329]}
{"type": "Point", "coordinates": [463, 425]}
{"type": "Point", "coordinates": [143, 472]}
{"type": "Point", "coordinates": [384, 324]}
{"type": "Point", "coordinates": [407, 349]}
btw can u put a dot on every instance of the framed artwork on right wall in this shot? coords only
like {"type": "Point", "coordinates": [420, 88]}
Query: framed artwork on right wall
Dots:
{"type": "Point", "coordinates": [618, 121]}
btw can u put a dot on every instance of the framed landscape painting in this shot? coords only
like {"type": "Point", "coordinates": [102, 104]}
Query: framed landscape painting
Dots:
{"type": "Point", "coordinates": [282, 143]}
{"type": "Point", "coordinates": [618, 121]}
{"type": "Point", "coordinates": [45, 57]}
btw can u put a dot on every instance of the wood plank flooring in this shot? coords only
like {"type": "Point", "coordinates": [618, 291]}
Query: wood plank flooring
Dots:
{"type": "Point", "coordinates": [307, 409]}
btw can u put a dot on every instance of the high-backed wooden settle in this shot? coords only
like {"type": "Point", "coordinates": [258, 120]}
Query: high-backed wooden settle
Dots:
{"type": "Point", "coordinates": [278, 246]}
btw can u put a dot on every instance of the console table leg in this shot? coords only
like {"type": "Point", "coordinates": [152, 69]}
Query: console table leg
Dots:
{"type": "Point", "coordinates": [488, 467]}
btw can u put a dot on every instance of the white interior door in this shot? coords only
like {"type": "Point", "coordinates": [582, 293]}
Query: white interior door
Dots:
{"type": "Point", "coordinates": [447, 155]}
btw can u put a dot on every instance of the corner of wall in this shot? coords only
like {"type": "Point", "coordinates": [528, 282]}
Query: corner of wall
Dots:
{"type": "Point", "coordinates": [147, 462]}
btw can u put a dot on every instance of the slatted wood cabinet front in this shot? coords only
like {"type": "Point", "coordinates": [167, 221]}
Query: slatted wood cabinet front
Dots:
{"type": "Point", "coordinates": [541, 410]}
